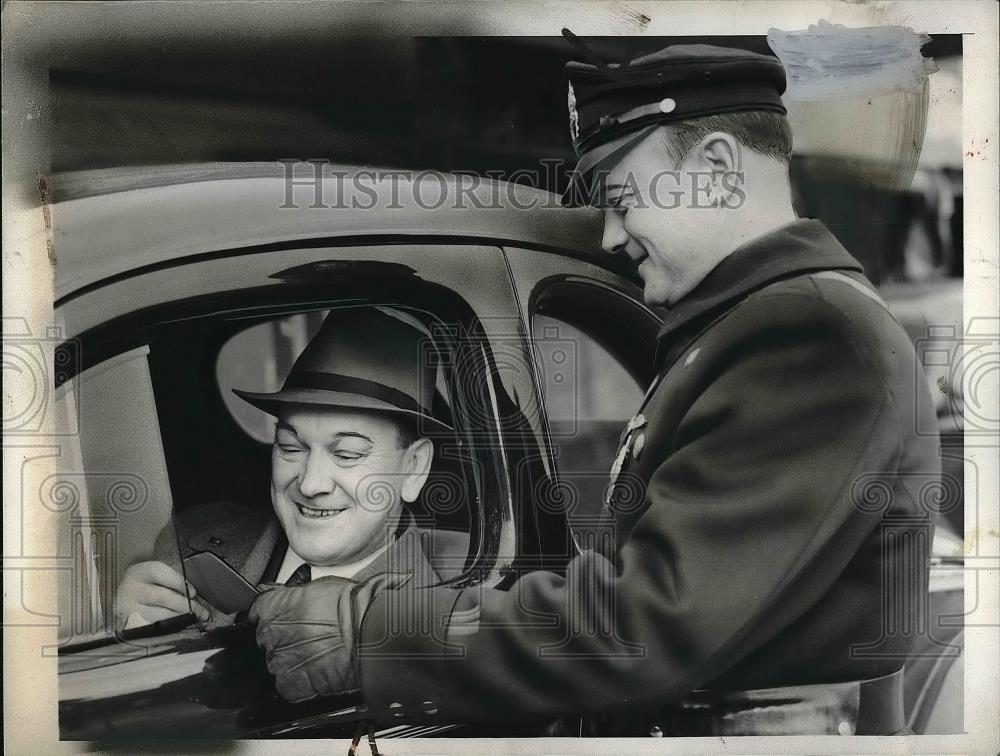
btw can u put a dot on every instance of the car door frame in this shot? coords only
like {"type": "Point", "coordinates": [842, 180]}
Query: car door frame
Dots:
{"type": "Point", "coordinates": [102, 317]}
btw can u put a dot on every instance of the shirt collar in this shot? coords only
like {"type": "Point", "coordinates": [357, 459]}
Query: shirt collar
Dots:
{"type": "Point", "coordinates": [347, 570]}
{"type": "Point", "coordinates": [292, 560]}
{"type": "Point", "coordinates": [793, 249]}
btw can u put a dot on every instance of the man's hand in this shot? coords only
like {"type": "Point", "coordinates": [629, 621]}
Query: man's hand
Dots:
{"type": "Point", "coordinates": [152, 591]}
{"type": "Point", "coordinates": [309, 632]}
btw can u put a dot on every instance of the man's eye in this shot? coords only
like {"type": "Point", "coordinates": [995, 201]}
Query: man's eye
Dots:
{"type": "Point", "coordinates": [347, 457]}
{"type": "Point", "coordinates": [289, 449]}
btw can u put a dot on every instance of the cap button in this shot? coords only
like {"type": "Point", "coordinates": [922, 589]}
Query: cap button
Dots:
{"type": "Point", "coordinates": [667, 105]}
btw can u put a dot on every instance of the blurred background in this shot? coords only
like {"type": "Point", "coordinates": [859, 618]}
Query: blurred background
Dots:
{"type": "Point", "coordinates": [488, 105]}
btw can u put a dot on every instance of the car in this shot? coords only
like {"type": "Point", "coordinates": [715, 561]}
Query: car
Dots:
{"type": "Point", "coordinates": [176, 284]}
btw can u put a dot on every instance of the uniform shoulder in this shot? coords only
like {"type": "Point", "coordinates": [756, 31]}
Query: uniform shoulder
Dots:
{"type": "Point", "coordinates": [828, 309]}
{"type": "Point", "coordinates": [836, 299]}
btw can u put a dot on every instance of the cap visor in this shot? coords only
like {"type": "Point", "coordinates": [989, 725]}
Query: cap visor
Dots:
{"type": "Point", "coordinates": [272, 403]}
{"type": "Point", "coordinates": [601, 158]}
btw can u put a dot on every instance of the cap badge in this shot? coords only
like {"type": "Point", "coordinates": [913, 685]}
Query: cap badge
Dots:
{"type": "Point", "coordinates": [574, 117]}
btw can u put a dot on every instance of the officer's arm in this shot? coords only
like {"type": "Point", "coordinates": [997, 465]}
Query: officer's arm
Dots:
{"type": "Point", "coordinates": [734, 546]}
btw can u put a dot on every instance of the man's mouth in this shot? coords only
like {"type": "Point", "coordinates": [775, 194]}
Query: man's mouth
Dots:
{"type": "Point", "coordinates": [317, 513]}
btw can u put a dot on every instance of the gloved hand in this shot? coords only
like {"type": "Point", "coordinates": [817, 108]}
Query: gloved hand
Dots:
{"type": "Point", "coordinates": [309, 632]}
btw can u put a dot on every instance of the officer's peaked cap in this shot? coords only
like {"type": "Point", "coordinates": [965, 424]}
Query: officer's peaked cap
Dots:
{"type": "Point", "coordinates": [613, 106]}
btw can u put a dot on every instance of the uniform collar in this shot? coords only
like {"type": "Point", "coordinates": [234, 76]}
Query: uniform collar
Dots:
{"type": "Point", "coordinates": [793, 249]}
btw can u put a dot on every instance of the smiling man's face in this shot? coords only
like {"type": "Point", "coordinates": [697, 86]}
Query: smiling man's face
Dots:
{"type": "Point", "coordinates": [651, 215]}
{"type": "Point", "coordinates": [338, 480]}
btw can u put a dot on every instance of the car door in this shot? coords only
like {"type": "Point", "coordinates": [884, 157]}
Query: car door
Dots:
{"type": "Point", "coordinates": [151, 380]}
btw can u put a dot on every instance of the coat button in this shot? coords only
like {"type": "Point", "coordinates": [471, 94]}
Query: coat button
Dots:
{"type": "Point", "coordinates": [215, 540]}
{"type": "Point", "coordinates": [430, 708]}
{"type": "Point", "coordinates": [844, 728]}
{"type": "Point", "coordinates": [655, 732]}
{"type": "Point", "coordinates": [396, 706]}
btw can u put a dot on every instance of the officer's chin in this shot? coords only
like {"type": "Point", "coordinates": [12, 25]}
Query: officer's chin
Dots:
{"type": "Point", "coordinates": [653, 297]}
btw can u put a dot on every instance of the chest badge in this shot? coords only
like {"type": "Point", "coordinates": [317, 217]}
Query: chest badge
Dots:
{"type": "Point", "coordinates": [638, 444]}
{"type": "Point", "coordinates": [625, 448]}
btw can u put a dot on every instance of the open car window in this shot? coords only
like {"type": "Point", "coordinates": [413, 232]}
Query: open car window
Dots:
{"type": "Point", "coordinates": [179, 359]}
{"type": "Point", "coordinates": [218, 447]}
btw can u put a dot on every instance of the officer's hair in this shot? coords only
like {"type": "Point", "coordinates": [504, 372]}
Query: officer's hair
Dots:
{"type": "Point", "coordinates": [761, 131]}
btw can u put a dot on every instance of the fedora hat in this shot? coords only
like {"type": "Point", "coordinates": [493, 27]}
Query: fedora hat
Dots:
{"type": "Point", "coordinates": [362, 358]}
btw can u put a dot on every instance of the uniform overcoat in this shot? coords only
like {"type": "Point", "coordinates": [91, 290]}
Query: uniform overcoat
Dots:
{"type": "Point", "coordinates": [770, 519]}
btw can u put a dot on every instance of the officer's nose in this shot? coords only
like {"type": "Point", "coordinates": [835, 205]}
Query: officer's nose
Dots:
{"type": "Point", "coordinates": [317, 475]}
{"type": "Point", "coordinates": [615, 237]}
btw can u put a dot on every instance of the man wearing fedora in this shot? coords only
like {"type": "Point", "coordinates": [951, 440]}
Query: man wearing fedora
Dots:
{"type": "Point", "coordinates": [768, 578]}
{"type": "Point", "coordinates": [351, 447]}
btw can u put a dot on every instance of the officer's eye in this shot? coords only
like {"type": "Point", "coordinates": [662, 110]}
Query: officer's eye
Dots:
{"type": "Point", "coordinates": [619, 203]}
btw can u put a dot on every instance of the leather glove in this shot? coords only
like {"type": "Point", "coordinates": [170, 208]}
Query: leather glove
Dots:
{"type": "Point", "coordinates": [309, 632]}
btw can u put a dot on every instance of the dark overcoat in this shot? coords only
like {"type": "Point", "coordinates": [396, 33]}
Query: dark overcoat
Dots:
{"type": "Point", "coordinates": [771, 524]}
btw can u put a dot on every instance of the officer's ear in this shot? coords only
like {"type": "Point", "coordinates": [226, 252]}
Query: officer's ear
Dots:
{"type": "Point", "coordinates": [416, 468]}
{"type": "Point", "coordinates": [720, 153]}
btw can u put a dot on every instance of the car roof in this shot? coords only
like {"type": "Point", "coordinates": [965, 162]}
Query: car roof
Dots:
{"type": "Point", "coordinates": [111, 223]}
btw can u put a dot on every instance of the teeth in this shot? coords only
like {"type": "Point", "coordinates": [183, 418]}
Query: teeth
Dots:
{"type": "Point", "coordinates": [313, 512]}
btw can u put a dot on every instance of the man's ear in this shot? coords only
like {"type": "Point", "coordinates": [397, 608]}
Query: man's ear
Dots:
{"type": "Point", "coordinates": [416, 467]}
{"type": "Point", "coordinates": [720, 153]}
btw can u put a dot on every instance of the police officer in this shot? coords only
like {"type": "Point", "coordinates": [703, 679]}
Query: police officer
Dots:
{"type": "Point", "coordinates": [767, 577]}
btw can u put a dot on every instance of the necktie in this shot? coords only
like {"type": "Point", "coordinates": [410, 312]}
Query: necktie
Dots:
{"type": "Point", "coordinates": [301, 576]}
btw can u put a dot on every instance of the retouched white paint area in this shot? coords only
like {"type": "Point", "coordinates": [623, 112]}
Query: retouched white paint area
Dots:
{"type": "Point", "coordinates": [830, 62]}
{"type": "Point", "coordinates": [859, 96]}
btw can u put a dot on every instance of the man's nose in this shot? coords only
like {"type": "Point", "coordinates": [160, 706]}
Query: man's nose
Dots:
{"type": "Point", "coordinates": [615, 238]}
{"type": "Point", "coordinates": [317, 476]}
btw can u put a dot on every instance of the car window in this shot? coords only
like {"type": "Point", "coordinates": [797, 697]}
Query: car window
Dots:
{"type": "Point", "coordinates": [218, 447]}
{"type": "Point", "coordinates": [590, 393]}
{"type": "Point", "coordinates": [110, 495]}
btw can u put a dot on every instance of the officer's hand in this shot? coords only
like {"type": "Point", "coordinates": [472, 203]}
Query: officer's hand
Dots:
{"type": "Point", "coordinates": [309, 632]}
{"type": "Point", "coordinates": [152, 591]}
